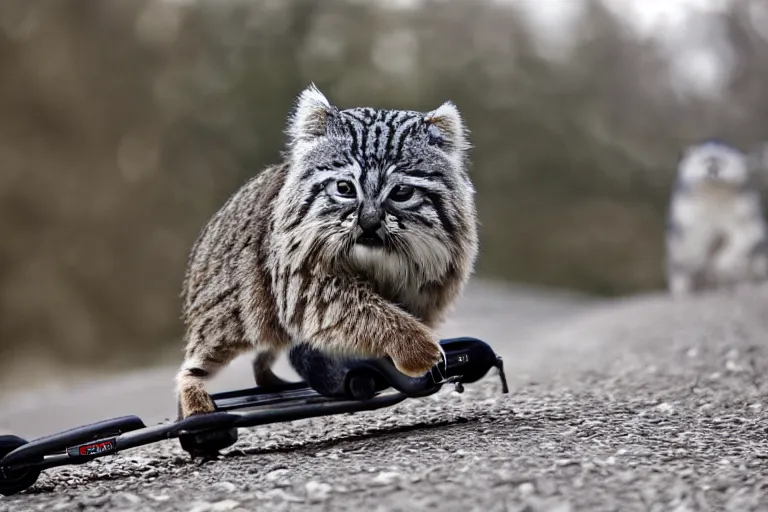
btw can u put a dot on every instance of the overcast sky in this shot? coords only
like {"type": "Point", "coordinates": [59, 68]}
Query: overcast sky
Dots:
{"type": "Point", "coordinates": [644, 14]}
{"type": "Point", "coordinates": [697, 62]}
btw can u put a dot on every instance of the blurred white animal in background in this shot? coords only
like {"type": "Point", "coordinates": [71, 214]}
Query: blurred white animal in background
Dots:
{"type": "Point", "coordinates": [716, 231]}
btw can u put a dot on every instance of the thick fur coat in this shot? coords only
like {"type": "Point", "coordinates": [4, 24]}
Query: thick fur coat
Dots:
{"type": "Point", "coordinates": [358, 243]}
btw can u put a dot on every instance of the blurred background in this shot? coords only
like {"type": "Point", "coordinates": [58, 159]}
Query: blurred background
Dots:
{"type": "Point", "coordinates": [125, 125]}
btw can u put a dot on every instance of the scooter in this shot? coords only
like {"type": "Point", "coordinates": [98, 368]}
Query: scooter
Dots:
{"type": "Point", "coordinates": [330, 386]}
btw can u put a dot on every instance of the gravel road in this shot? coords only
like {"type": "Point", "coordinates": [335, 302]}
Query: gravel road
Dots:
{"type": "Point", "coordinates": [637, 404]}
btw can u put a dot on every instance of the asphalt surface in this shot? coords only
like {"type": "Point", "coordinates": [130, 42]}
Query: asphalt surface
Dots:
{"type": "Point", "coordinates": [642, 404]}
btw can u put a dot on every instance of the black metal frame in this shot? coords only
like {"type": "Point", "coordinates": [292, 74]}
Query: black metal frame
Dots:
{"type": "Point", "coordinates": [467, 360]}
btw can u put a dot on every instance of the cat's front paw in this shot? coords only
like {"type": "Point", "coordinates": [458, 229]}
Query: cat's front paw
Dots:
{"type": "Point", "coordinates": [415, 353]}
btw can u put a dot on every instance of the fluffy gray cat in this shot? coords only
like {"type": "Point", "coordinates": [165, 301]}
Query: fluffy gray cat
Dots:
{"type": "Point", "coordinates": [357, 243]}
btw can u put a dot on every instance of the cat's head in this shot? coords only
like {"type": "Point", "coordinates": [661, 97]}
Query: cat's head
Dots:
{"type": "Point", "coordinates": [378, 188]}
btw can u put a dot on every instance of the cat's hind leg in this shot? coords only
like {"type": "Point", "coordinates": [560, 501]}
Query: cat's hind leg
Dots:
{"type": "Point", "coordinates": [212, 344]}
{"type": "Point", "coordinates": [262, 368]}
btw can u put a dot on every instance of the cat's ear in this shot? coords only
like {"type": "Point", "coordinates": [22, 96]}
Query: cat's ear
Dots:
{"type": "Point", "coordinates": [311, 115]}
{"type": "Point", "coordinates": [446, 129]}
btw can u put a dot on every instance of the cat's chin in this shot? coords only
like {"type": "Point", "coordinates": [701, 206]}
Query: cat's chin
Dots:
{"type": "Point", "coordinates": [376, 260]}
{"type": "Point", "coordinates": [365, 253]}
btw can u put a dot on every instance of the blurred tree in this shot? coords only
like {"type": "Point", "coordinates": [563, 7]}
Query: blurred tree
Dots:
{"type": "Point", "coordinates": [745, 22]}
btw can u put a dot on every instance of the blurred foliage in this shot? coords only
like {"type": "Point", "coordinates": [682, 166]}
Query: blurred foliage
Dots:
{"type": "Point", "coordinates": [127, 124]}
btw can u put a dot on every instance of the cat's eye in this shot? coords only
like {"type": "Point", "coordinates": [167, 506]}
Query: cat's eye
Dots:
{"type": "Point", "coordinates": [345, 188]}
{"type": "Point", "coordinates": [401, 193]}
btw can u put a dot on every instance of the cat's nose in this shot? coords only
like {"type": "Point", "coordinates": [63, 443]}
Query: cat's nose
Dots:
{"type": "Point", "coordinates": [369, 222]}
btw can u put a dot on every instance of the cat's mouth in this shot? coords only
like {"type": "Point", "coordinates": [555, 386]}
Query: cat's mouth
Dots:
{"type": "Point", "coordinates": [370, 239]}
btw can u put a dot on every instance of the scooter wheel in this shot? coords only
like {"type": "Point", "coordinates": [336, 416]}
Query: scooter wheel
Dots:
{"type": "Point", "coordinates": [12, 480]}
{"type": "Point", "coordinates": [208, 444]}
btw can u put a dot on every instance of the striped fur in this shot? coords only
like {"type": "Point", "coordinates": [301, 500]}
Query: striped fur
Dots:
{"type": "Point", "coordinates": [358, 243]}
